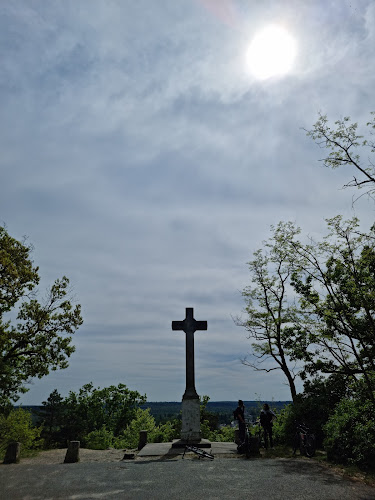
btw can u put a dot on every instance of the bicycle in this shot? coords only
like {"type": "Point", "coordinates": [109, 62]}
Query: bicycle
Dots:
{"type": "Point", "coordinates": [201, 453]}
{"type": "Point", "coordinates": [304, 440]}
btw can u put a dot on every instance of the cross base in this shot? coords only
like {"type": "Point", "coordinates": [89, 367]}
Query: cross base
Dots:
{"type": "Point", "coordinates": [191, 419]}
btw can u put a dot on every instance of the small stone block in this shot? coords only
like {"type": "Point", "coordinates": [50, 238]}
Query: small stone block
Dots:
{"type": "Point", "coordinates": [254, 446]}
{"type": "Point", "coordinates": [72, 453]}
{"type": "Point", "coordinates": [12, 455]}
{"type": "Point", "coordinates": [129, 456]}
{"type": "Point", "coordinates": [142, 440]}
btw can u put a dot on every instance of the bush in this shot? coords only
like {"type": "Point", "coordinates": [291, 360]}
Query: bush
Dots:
{"type": "Point", "coordinates": [284, 426]}
{"type": "Point", "coordinates": [350, 433]}
{"type": "Point", "coordinates": [224, 435]}
{"type": "Point", "coordinates": [166, 432]}
{"type": "Point", "coordinates": [129, 437]}
{"type": "Point", "coordinates": [100, 439]}
{"type": "Point", "coordinates": [18, 426]}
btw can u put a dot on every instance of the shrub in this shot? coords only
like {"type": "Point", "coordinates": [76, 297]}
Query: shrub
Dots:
{"type": "Point", "coordinates": [17, 426]}
{"type": "Point", "coordinates": [129, 437]}
{"type": "Point", "coordinates": [166, 432]}
{"type": "Point", "coordinates": [100, 439]}
{"type": "Point", "coordinates": [283, 426]}
{"type": "Point", "coordinates": [350, 433]}
{"type": "Point", "coordinates": [224, 435]}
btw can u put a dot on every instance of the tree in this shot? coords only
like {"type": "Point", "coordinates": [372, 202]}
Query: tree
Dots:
{"type": "Point", "coordinates": [41, 339]}
{"type": "Point", "coordinates": [344, 142]}
{"type": "Point", "coordinates": [52, 415]}
{"type": "Point", "coordinates": [271, 314]}
{"type": "Point", "coordinates": [18, 426]}
{"type": "Point", "coordinates": [90, 409]}
{"type": "Point", "coordinates": [335, 281]}
{"type": "Point", "coordinates": [329, 327]}
{"type": "Point", "coordinates": [209, 421]}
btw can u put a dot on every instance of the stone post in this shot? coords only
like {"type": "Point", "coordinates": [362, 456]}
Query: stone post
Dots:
{"type": "Point", "coordinates": [142, 439]}
{"type": "Point", "coordinates": [72, 453]}
{"type": "Point", "coordinates": [254, 447]}
{"type": "Point", "coordinates": [12, 455]}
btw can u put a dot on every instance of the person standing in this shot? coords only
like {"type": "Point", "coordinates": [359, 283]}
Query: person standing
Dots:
{"type": "Point", "coordinates": [239, 414]}
{"type": "Point", "coordinates": [266, 418]}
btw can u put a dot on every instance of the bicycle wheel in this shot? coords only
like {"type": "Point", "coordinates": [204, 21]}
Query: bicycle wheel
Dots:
{"type": "Point", "coordinates": [302, 444]}
{"type": "Point", "coordinates": [208, 455]}
{"type": "Point", "coordinates": [310, 445]}
{"type": "Point", "coordinates": [295, 443]}
{"type": "Point", "coordinates": [200, 453]}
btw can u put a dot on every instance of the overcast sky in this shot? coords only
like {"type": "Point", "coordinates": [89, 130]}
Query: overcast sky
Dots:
{"type": "Point", "coordinates": [145, 162]}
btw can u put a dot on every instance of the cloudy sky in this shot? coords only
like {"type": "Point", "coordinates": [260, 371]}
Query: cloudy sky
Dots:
{"type": "Point", "coordinates": [146, 162]}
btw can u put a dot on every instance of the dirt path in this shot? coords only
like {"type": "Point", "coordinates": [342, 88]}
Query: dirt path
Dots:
{"type": "Point", "coordinates": [85, 456]}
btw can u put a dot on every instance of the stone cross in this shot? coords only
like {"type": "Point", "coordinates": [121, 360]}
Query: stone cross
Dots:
{"type": "Point", "coordinates": [190, 407]}
{"type": "Point", "coordinates": [189, 325]}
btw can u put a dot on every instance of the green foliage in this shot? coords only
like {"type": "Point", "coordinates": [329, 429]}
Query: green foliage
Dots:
{"type": "Point", "coordinates": [225, 434]}
{"type": "Point", "coordinates": [330, 325]}
{"type": "Point", "coordinates": [88, 410]}
{"type": "Point", "coordinates": [129, 437]}
{"type": "Point", "coordinates": [336, 287]}
{"type": "Point", "coordinates": [350, 433]}
{"type": "Point", "coordinates": [166, 432]}
{"type": "Point", "coordinates": [209, 420]}
{"type": "Point", "coordinates": [272, 317]}
{"type": "Point", "coordinates": [17, 426]}
{"type": "Point", "coordinates": [41, 338]}
{"type": "Point", "coordinates": [313, 407]}
{"type": "Point", "coordinates": [100, 439]}
{"type": "Point", "coordinates": [51, 415]}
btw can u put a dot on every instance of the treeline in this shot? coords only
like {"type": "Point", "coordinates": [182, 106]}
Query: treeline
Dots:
{"type": "Point", "coordinates": [163, 411]}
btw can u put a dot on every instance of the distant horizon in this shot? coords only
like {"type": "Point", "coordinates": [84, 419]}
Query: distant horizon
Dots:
{"type": "Point", "coordinates": [179, 402]}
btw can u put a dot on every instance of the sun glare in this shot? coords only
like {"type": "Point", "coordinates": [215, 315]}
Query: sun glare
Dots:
{"type": "Point", "coordinates": [271, 52]}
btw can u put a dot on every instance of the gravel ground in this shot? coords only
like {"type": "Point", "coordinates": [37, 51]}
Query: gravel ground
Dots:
{"type": "Point", "coordinates": [103, 475]}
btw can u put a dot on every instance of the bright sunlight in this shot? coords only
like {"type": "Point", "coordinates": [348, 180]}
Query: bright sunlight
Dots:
{"type": "Point", "coordinates": [271, 52]}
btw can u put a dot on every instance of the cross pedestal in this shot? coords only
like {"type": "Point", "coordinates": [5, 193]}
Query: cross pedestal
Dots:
{"type": "Point", "coordinates": [191, 427]}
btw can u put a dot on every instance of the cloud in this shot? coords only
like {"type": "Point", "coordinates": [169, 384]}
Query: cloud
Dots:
{"type": "Point", "coordinates": [147, 165]}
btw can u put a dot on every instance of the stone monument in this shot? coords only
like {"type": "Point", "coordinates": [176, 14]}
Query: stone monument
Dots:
{"type": "Point", "coordinates": [191, 427]}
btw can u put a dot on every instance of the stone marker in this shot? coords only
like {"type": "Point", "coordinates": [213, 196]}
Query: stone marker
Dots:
{"type": "Point", "coordinates": [72, 453]}
{"type": "Point", "coordinates": [12, 455]}
{"type": "Point", "coordinates": [142, 439]}
{"type": "Point", "coordinates": [191, 427]}
{"type": "Point", "coordinates": [254, 446]}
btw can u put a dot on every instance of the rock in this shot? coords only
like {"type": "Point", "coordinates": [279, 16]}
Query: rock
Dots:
{"type": "Point", "coordinates": [72, 453]}
{"type": "Point", "coordinates": [12, 455]}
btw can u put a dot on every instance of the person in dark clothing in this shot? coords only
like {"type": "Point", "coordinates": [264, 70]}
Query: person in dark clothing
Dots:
{"type": "Point", "coordinates": [239, 414]}
{"type": "Point", "coordinates": [266, 418]}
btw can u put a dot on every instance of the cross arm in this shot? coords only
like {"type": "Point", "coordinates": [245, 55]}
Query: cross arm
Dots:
{"type": "Point", "coordinates": [178, 325]}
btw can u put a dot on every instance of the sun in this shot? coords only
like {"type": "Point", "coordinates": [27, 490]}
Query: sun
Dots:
{"type": "Point", "coordinates": [271, 52]}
